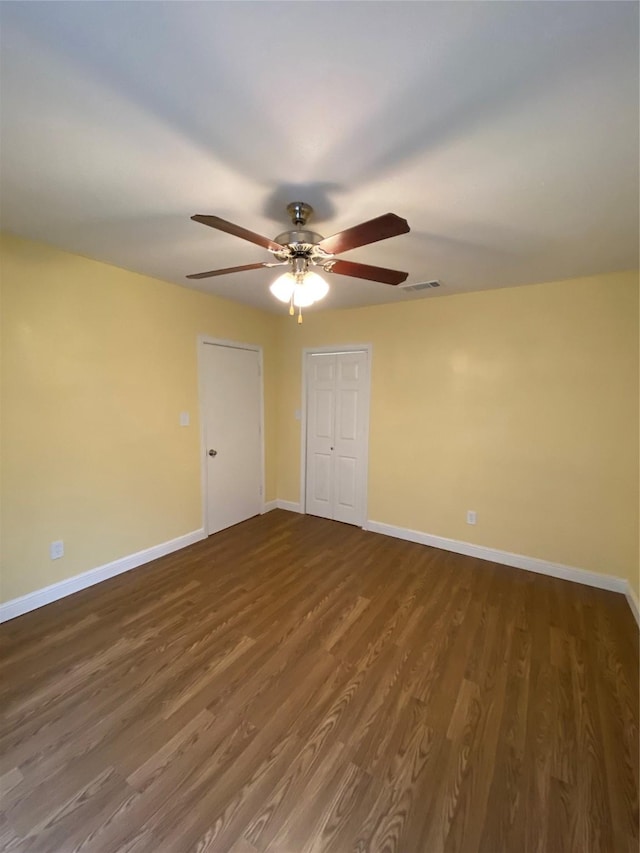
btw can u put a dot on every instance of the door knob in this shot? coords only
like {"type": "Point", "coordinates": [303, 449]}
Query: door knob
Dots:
{"type": "Point", "coordinates": [213, 453]}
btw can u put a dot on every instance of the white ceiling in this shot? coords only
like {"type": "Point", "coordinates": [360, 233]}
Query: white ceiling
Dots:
{"type": "Point", "coordinates": [506, 133]}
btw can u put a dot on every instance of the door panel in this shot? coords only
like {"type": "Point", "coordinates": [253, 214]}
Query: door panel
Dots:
{"type": "Point", "coordinates": [324, 413]}
{"type": "Point", "coordinates": [349, 371]}
{"type": "Point", "coordinates": [346, 470]}
{"type": "Point", "coordinates": [322, 479]}
{"type": "Point", "coordinates": [232, 413]}
{"type": "Point", "coordinates": [350, 438]}
{"type": "Point", "coordinates": [337, 412]}
{"type": "Point", "coordinates": [320, 426]}
{"type": "Point", "coordinates": [324, 371]}
{"type": "Point", "coordinates": [348, 423]}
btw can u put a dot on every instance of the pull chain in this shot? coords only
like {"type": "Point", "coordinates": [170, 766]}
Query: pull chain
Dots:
{"type": "Point", "coordinates": [299, 314]}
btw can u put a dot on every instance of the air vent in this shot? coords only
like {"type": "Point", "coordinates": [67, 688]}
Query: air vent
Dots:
{"type": "Point", "coordinates": [423, 285]}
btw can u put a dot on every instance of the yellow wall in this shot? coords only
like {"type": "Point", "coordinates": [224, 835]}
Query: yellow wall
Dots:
{"type": "Point", "coordinates": [521, 404]}
{"type": "Point", "coordinates": [97, 365]}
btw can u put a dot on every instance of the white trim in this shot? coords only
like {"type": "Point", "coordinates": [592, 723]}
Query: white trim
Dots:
{"type": "Point", "coordinates": [290, 506]}
{"type": "Point", "coordinates": [335, 349]}
{"type": "Point", "coordinates": [518, 561]}
{"type": "Point", "coordinates": [633, 602]}
{"type": "Point", "coordinates": [203, 340]}
{"type": "Point", "coordinates": [33, 600]}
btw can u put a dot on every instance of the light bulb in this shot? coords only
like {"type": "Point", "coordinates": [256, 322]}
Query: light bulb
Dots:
{"type": "Point", "coordinates": [302, 296]}
{"type": "Point", "coordinates": [305, 292]}
{"type": "Point", "coordinates": [282, 287]}
{"type": "Point", "coordinates": [316, 286]}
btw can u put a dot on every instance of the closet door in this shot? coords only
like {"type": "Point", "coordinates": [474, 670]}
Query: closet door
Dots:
{"type": "Point", "coordinates": [321, 398]}
{"type": "Point", "coordinates": [337, 426]}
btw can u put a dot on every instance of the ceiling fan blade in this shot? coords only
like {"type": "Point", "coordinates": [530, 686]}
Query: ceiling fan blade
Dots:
{"type": "Point", "coordinates": [237, 231]}
{"type": "Point", "coordinates": [382, 274]}
{"type": "Point", "coordinates": [211, 273]}
{"type": "Point", "coordinates": [388, 225]}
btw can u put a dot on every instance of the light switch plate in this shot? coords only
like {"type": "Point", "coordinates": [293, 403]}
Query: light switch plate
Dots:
{"type": "Point", "coordinates": [56, 549]}
{"type": "Point", "coordinates": [184, 419]}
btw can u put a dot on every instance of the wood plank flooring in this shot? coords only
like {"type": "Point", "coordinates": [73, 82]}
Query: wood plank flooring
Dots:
{"type": "Point", "coordinates": [294, 685]}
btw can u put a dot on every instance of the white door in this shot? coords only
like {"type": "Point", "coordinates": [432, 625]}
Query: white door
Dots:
{"type": "Point", "coordinates": [232, 434]}
{"type": "Point", "coordinates": [337, 426]}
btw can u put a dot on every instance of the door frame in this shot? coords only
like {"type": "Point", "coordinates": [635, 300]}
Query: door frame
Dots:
{"type": "Point", "coordinates": [334, 350]}
{"type": "Point", "coordinates": [207, 340]}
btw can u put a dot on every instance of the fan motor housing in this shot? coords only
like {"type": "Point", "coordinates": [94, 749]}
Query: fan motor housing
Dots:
{"type": "Point", "coordinates": [299, 240]}
{"type": "Point", "coordinates": [290, 238]}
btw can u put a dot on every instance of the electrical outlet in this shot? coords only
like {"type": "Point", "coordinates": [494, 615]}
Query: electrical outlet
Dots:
{"type": "Point", "coordinates": [56, 549]}
{"type": "Point", "coordinates": [471, 516]}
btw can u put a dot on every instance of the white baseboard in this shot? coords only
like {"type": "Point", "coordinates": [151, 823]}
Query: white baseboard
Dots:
{"type": "Point", "coordinates": [33, 600]}
{"type": "Point", "coordinates": [268, 506]}
{"type": "Point", "coordinates": [518, 561]}
{"type": "Point", "coordinates": [633, 602]}
{"type": "Point", "coordinates": [290, 506]}
{"type": "Point", "coordinates": [494, 555]}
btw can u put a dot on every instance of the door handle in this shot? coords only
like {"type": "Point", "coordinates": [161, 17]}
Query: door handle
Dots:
{"type": "Point", "coordinates": [213, 453]}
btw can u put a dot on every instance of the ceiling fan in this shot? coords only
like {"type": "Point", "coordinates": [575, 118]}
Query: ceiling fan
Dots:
{"type": "Point", "coordinates": [301, 249]}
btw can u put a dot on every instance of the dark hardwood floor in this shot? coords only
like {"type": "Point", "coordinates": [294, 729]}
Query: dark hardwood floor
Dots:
{"type": "Point", "coordinates": [295, 685]}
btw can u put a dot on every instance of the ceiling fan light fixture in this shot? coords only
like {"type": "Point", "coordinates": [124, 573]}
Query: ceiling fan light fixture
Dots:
{"type": "Point", "coordinates": [299, 248]}
{"type": "Point", "coordinates": [305, 289]}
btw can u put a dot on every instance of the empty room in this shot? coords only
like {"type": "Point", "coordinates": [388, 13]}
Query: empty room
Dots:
{"type": "Point", "coordinates": [320, 442]}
